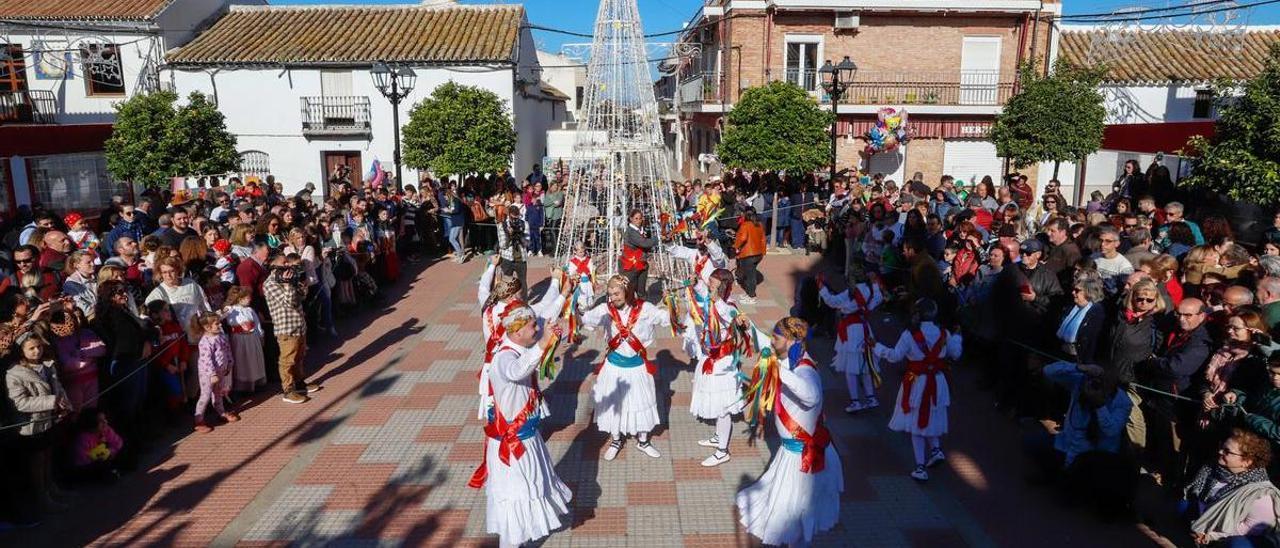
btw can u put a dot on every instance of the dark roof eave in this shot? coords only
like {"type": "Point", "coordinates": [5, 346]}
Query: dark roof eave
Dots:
{"type": "Point", "coordinates": [199, 65]}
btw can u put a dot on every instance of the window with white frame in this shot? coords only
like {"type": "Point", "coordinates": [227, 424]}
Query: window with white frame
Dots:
{"type": "Point", "coordinates": [802, 61]}
{"type": "Point", "coordinates": [71, 182]}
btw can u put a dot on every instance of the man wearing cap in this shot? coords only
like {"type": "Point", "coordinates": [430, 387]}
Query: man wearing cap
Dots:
{"type": "Point", "coordinates": [1042, 290]}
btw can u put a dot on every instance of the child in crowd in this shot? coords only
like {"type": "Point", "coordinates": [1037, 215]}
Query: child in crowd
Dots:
{"type": "Point", "coordinates": [78, 350]}
{"type": "Point", "coordinates": [83, 238]}
{"type": "Point", "coordinates": [97, 446]}
{"type": "Point", "coordinates": [170, 362]}
{"type": "Point", "coordinates": [214, 369]}
{"type": "Point", "coordinates": [250, 372]}
{"type": "Point", "coordinates": [226, 262]}
{"type": "Point", "coordinates": [385, 242]}
{"type": "Point", "coordinates": [38, 397]}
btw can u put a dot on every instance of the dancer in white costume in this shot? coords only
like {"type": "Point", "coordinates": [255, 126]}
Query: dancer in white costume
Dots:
{"type": "Point", "coordinates": [717, 390]}
{"type": "Point", "coordinates": [921, 406]}
{"type": "Point", "coordinates": [853, 337]}
{"type": "Point", "coordinates": [525, 498]}
{"type": "Point", "coordinates": [704, 260]}
{"type": "Point", "coordinates": [495, 299]}
{"type": "Point", "coordinates": [626, 401]}
{"type": "Point", "coordinates": [799, 494]}
{"type": "Point", "coordinates": [583, 271]}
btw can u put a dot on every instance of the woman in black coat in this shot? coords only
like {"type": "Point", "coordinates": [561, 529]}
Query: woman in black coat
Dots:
{"type": "Point", "coordinates": [1081, 328]}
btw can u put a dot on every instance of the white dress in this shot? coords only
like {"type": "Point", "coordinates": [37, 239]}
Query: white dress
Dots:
{"type": "Point", "coordinates": [584, 271]}
{"type": "Point", "coordinates": [525, 497]}
{"type": "Point", "coordinates": [849, 357]}
{"type": "Point", "coordinates": [250, 371]}
{"type": "Point", "coordinates": [702, 267]}
{"type": "Point", "coordinates": [908, 349]}
{"type": "Point", "coordinates": [787, 505]}
{"type": "Point", "coordinates": [626, 401]}
{"type": "Point", "coordinates": [719, 392]}
{"type": "Point", "coordinates": [547, 308]}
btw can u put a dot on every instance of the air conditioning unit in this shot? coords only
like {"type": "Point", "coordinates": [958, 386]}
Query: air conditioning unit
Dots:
{"type": "Point", "coordinates": [848, 20]}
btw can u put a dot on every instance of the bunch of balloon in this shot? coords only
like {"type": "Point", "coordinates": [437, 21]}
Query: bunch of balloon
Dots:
{"type": "Point", "coordinates": [891, 130]}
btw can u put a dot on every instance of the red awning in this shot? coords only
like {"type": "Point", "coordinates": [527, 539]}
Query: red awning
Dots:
{"type": "Point", "coordinates": [39, 140]}
{"type": "Point", "coordinates": [1151, 138]}
{"type": "Point", "coordinates": [930, 128]}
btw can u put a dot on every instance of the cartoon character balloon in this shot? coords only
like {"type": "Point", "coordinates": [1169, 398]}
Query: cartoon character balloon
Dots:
{"type": "Point", "coordinates": [891, 130]}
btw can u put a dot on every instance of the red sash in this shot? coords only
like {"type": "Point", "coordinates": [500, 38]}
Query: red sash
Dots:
{"type": "Point", "coordinates": [624, 334]}
{"type": "Point", "coordinates": [239, 329]}
{"type": "Point", "coordinates": [718, 351]}
{"type": "Point", "coordinates": [698, 264]}
{"type": "Point", "coordinates": [931, 366]}
{"type": "Point", "coordinates": [581, 266]}
{"type": "Point", "coordinates": [507, 434]}
{"type": "Point", "coordinates": [633, 259]}
{"type": "Point", "coordinates": [496, 331]}
{"type": "Point", "coordinates": [813, 458]}
{"type": "Point", "coordinates": [858, 316]}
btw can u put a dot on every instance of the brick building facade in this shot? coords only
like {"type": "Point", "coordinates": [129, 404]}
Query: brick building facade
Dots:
{"type": "Point", "coordinates": [951, 65]}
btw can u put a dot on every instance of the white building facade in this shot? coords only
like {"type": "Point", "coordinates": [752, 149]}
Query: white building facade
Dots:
{"type": "Point", "coordinates": [63, 67]}
{"type": "Point", "coordinates": [1157, 92]}
{"type": "Point", "coordinates": [300, 105]}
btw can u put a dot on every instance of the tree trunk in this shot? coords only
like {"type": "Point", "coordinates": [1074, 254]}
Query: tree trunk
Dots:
{"type": "Point", "coordinates": [1056, 163]}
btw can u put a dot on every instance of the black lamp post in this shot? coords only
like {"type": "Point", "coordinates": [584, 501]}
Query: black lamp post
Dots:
{"type": "Point", "coordinates": [394, 84]}
{"type": "Point", "coordinates": [835, 81]}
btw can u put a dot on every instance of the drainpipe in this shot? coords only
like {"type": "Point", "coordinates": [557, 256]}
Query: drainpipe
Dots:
{"type": "Point", "coordinates": [768, 43]}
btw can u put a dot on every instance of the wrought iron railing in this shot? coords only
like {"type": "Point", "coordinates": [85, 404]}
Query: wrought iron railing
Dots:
{"type": "Point", "coordinates": [700, 87]}
{"type": "Point", "coordinates": [336, 115]}
{"type": "Point", "coordinates": [27, 107]}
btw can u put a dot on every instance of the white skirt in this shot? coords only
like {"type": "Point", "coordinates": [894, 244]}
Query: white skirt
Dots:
{"type": "Point", "coordinates": [851, 361]}
{"type": "Point", "coordinates": [626, 401]}
{"type": "Point", "coordinates": [908, 421]}
{"type": "Point", "coordinates": [715, 395]}
{"type": "Point", "coordinates": [525, 498]}
{"type": "Point", "coordinates": [250, 369]}
{"type": "Point", "coordinates": [787, 506]}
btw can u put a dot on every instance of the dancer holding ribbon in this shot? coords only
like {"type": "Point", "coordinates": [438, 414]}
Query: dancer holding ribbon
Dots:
{"type": "Point", "coordinates": [525, 497]}
{"type": "Point", "coordinates": [854, 340]}
{"type": "Point", "coordinates": [626, 402]}
{"type": "Point", "coordinates": [496, 298]}
{"type": "Point", "coordinates": [580, 268]}
{"type": "Point", "coordinates": [799, 494]}
{"type": "Point", "coordinates": [921, 406]}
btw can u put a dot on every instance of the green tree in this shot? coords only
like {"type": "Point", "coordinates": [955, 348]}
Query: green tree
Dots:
{"type": "Point", "coordinates": [776, 127]}
{"type": "Point", "coordinates": [1056, 118]}
{"type": "Point", "coordinates": [154, 139]}
{"type": "Point", "coordinates": [1242, 160]}
{"type": "Point", "coordinates": [458, 130]}
{"type": "Point", "coordinates": [198, 139]}
{"type": "Point", "coordinates": [133, 152]}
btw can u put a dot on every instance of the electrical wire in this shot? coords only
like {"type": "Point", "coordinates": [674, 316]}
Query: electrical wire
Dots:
{"type": "Point", "coordinates": [1196, 12]}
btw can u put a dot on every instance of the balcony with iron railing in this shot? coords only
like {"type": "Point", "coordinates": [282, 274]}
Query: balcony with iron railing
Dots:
{"type": "Point", "coordinates": [27, 107]}
{"type": "Point", "coordinates": [336, 115]}
{"type": "Point", "coordinates": [953, 88]}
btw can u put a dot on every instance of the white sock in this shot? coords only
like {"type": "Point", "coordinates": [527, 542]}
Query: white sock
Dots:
{"type": "Point", "coordinates": [917, 446]}
{"type": "Point", "coordinates": [935, 442]}
{"type": "Point", "coordinates": [724, 429]}
{"type": "Point", "coordinates": [868, 386]}
{"type": "Point", "coordinates": [851, 379]}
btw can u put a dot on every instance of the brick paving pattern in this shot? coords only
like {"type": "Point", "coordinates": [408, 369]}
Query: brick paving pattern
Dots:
{"type": "Point", "coordinates": [382, 456]}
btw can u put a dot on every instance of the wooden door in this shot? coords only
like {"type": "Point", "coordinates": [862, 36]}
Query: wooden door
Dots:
{"type": "Point", "coordinates": [333, 160]}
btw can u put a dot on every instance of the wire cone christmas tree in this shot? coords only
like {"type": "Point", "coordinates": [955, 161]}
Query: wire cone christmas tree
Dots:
{"type": "Point", "coordinates": [619, 160]}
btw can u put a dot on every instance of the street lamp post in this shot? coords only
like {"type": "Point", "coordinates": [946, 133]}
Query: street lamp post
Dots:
{"type": "Point", "coordinates": [395, 85]}
{"type": "Point", "coordinates": [835, 81]}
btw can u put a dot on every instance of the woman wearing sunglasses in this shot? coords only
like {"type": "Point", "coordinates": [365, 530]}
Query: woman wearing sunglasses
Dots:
{"type": "Point", "coordinates": [1132, 341]}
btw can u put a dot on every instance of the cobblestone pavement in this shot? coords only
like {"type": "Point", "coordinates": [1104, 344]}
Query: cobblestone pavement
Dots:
{"type": "Point", "coordinates": [383, 454]}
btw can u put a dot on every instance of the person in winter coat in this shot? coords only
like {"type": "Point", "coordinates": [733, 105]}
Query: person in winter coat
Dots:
{"type": "Point", "coordinates": [1132, 341]}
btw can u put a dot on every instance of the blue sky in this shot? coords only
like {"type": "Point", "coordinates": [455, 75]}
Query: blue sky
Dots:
{"type": "Point", "coordinates": [666, 15]}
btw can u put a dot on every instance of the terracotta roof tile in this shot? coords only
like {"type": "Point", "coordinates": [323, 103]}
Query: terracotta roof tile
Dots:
{"type": "Point", "coordinates": [75, 10]}
{"type": "Point", "coordinates": [295, 35]}
{"type": "Point", "coordinates": [1164, 56]}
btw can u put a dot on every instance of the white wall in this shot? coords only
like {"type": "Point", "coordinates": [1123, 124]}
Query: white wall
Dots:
{"type": "Point", "coordinates": [1102, 169]}
{"type": "Point", "coordinates": [263, 109]}
{"type": "Point", "coordinates": [71, 93]}
{"type": "Point", "coordinates": [1149, 104]}
{"type": "Point", "coordinates": [557, 72]}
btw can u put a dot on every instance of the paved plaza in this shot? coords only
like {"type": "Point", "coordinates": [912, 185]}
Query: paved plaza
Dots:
{"type": "Point", "coordinates": [383, 454]}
